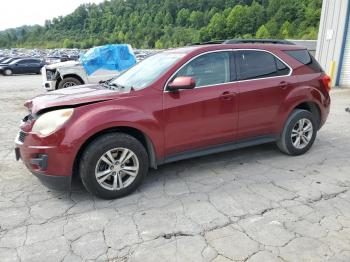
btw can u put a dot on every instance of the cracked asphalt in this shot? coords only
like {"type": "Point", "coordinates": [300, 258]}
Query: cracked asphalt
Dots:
{"type": "Point", "coordinates": [254, 204]}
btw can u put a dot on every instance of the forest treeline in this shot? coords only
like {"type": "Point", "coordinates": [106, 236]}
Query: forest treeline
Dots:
{"type": "Point", "coordinates": [170, 23]}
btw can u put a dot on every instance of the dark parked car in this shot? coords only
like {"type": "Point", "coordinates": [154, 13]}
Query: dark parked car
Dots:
{"type": "Point", "coordinates": [177, 104]}
{"type": "Point", "coordinates": [8, 60]}
{"type": "Point", "coordinates": [22, 66]}
{"type": "Point", "coordinates": [3, 59]}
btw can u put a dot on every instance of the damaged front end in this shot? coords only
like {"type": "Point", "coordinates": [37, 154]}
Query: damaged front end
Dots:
{"type": "Point", "coordinates": [50, 77]}
{"type": "Point", "coordinates": [54, 73]}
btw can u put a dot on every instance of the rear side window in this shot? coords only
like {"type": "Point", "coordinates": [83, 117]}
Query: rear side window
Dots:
{"type": "Point", "coordinates": [23, 62]}
{"type": "Point", "coordinates": [304, 57]}
{"type": "Point", "coordinates": [258, 64]}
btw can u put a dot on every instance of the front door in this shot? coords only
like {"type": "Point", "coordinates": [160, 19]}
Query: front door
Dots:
{"type": "Point", "coordinates": [206, 115]}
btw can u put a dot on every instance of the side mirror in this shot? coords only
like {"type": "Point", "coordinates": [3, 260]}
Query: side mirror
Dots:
{"type": "Point", "coordinates": [182, 82]}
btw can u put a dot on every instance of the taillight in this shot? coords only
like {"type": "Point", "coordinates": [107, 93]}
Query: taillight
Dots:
{"type": "Point", "coordinates": [326, 80]}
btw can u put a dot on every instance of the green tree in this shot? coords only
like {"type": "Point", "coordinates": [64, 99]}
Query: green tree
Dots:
{"type": "Point", "coordinates": [182, 18]}
{"type": "Point", "coordinates": [197, 19]}
{"type": "Point", "coordinates": [286, 30]}
{"type": "Point", "coordinates": [67, 43]}
{"type": "Point", "coordinates": [262, 32]}
{"type": "Point", "coordinates": [217, 26]}
{"type": "Point", "coordinates": [169, 23]}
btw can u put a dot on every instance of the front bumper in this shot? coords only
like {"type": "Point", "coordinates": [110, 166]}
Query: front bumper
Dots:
{"type": "Point", "coordinates": [49, 85]}
{"type": "Point", "coordinates": [51, 164]}
{"type": "Point", "coordinates": [55, 182]}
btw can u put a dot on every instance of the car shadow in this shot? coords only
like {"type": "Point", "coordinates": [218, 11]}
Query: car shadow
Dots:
{"type": "Point", "coordinates": [235, 157]}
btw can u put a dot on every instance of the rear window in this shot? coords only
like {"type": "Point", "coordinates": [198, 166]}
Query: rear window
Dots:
{"type": "Point", "coordinates": [304, 57]}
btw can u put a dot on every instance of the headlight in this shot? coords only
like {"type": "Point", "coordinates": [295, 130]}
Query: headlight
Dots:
{"type": "Point", "coordinates": [51, 121]}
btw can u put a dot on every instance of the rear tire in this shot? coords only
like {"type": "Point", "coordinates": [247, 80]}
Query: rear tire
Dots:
{"type": "Point", "coordinates": [113, 165]}
{"type": "Point", "coordinates": [68, 82]}
{"type": "Point", "coordinates": [299, 133]}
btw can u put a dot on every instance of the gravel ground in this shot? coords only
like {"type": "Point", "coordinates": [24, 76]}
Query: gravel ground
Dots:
{"type": "Point", "coordinates": [254, 204]}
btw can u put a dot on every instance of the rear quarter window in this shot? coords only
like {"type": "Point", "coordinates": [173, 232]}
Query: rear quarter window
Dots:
{"type": "Point", "coordinates": [304, 57]}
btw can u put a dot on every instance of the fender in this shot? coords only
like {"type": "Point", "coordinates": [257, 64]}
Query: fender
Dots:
{"type": "Point", "coordinates": [88, 123]}
{"type": "Point", "coordinates": [77, 70]}
{"type": "Point", "coordinates": [297, 96]}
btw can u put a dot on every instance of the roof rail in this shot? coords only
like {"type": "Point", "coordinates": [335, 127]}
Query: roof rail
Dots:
{"type": "Point", "coordinates": [213, 42]}
{"type": "Point", "coordinates": [258, 41]}
{"type": "Point", "coordinates": [247, 41]}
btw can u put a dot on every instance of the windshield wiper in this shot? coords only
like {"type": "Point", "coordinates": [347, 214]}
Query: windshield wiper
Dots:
{"type": "Point", "coordinates": [113, 85]}
{"type": "Point", "coordinates": [108, 84]}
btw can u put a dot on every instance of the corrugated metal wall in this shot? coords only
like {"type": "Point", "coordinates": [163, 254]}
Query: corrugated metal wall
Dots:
{"type": "Point", "coordinates": [331, 33]}
{"type": "Point", "coordinates": [344, 79]}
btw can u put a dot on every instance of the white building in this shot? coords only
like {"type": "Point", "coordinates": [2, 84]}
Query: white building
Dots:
{"type": "Point", "coordinates": [333, 46]}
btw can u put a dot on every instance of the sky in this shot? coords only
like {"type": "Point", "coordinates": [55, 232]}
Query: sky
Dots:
{"type": "Point", "coordinates": [15, 13]}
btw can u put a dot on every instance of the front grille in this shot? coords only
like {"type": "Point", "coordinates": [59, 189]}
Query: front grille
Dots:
{"type": "Point", "coordinates": [21, 136]}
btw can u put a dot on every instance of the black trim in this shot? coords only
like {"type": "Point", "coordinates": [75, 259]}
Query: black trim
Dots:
{"type": "Point", "coordinates": [17, 153]}
{"type": "Point", "coordinates": [220, 148]}
{"type": "Point", "coordinates": [62, 183]}
{"type": "Point", "coordinates": [258, 41]}
{"type": "Point", "coordinates": [247, 41]}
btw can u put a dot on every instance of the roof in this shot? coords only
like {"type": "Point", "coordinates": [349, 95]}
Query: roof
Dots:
{"type": "Point", "coordinates": [213, 47]}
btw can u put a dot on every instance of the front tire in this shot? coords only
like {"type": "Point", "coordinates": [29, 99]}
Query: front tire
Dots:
{"type": "Point", "coordinates": [299, 133]}
{"type": "Point", "coordinates": [68, 82]}
{"type": "Point", "coordinates": [113, 165]}
{"type": "Point", "coordinates": [8, 72]}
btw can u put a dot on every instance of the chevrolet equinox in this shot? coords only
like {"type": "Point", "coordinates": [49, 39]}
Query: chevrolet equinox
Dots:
{"type": "Point", "coordinates": [176, 104]}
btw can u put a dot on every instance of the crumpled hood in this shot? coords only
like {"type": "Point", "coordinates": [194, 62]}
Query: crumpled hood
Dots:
{"type": "Point", "coordinates": [63, 64]}
{"type": "Point", "coordinates": [72, 96]}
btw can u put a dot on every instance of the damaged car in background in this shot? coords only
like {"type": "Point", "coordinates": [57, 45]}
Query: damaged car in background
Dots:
{"type": "Point", "coordinates": [97, 64]}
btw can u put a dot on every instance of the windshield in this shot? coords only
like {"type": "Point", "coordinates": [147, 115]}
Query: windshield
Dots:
{"type": "Point", "coordinates": [7, 60]}
{"type": "Point", "coordinates": [147, 71]}
{"type": "Point", "coordinates": [14, 62]}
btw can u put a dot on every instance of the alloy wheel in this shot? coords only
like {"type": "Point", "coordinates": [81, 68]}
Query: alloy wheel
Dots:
{"type": "Point", "coordinates": [117, 169]}
{"type": "Point", "coordinates": [302, 133]}
{"type": "Point", "coordinates": [69, 84]}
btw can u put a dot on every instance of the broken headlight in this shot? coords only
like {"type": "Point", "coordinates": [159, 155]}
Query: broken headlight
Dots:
{"type": "Point", "coordinates": [51, 74]}
{"type": "Point", "coordinates": [49, 122]}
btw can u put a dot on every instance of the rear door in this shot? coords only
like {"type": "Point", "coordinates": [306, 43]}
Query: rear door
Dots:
{"type": "Point", "coordinates": [35, 66]}
{"type": "Point", "coordinates": [264, 83]}
{"type": "Point", "coordinates": [206, 115]}
{"type": "Point", "coordinates": [22, 66]}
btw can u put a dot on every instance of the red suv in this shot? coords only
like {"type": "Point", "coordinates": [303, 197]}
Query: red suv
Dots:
{"type": "Point", "coordinates": [177, 104]}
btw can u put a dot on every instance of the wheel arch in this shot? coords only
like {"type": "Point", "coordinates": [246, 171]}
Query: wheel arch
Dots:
{"type": "Point", "coordinates": [312, 107]}
{"type": "Point", "coordinates": [138, 134]}
{"type": "Point", "coordinates": [69, 75]}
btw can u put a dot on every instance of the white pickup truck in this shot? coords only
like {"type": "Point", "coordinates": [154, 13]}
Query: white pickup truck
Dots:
{"type": "Point", "coordinates": [71, 73]}
{"type": "Point", "coordinates": [99, 63]}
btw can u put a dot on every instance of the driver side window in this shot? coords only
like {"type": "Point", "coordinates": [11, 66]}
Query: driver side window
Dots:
{"type": "Point", "coordinates": [208, 69]}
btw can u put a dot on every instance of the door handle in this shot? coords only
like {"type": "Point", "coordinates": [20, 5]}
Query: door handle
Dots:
{"type": "Point", "coordinates": [284, 84]}
{"type": "Point", "coordinates": [227, 95]}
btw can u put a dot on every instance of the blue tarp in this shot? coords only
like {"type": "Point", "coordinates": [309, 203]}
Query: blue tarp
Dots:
{"type": "Point", "coordinates": [110, 57]}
